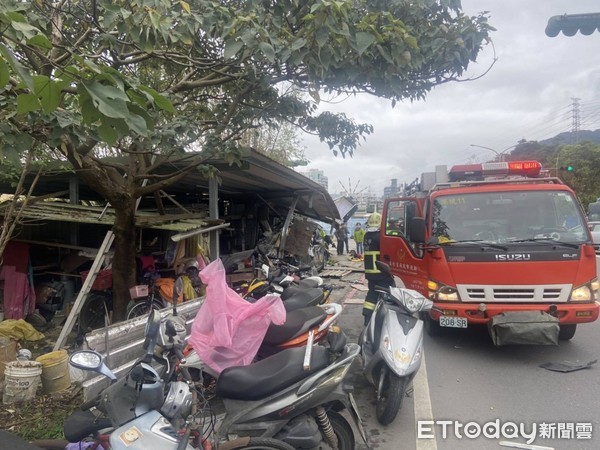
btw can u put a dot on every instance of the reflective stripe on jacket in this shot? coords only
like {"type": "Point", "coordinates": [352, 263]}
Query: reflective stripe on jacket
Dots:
{"type": "Point", "coordinates": [369, 260]}
{"type": "Point", "coordinates": [368, 305]}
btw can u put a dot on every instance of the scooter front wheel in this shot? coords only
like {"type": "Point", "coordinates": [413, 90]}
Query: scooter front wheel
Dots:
{"type": "Point", "coordinates": [392, 389]}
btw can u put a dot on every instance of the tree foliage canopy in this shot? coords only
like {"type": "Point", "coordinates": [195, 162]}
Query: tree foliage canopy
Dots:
{"type": "Point", "coordinates": [163, 74]}
{"type": "Point", "coordinates": [583, 157]}
{"type": "Point", "coordinates": [150, 79]}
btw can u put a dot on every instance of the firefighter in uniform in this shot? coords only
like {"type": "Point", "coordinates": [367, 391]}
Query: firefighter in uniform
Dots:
{"type": "Point", "coordinates": [372, 273]}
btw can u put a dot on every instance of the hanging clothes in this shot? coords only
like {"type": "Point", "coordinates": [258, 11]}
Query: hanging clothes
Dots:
{"type": "Point", "coordinates": [19, 295]}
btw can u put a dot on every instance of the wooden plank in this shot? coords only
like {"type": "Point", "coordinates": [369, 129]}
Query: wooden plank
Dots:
{"type": "Point", "coordinates": [85, 290]}
{"type": "Point", "coordinates": [335, 273]}
{"type": "Point", "coordinates": [359, 287]}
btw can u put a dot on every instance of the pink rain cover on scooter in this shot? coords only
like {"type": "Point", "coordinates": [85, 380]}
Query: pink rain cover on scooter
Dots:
{"type": "Point", "coordinates": [228, 330]}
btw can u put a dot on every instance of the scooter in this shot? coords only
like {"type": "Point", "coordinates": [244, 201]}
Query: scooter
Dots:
{"type": "Point", "coordinates": [295, 293]}
{"type": "Point", "coordinates": [295, 396]}
{"type": "Point", "coordinates": [313, 322]}
{"type": "Point", "coordinates": [142, 411]}
{"type": "Point", "coordinates": [392, 344]}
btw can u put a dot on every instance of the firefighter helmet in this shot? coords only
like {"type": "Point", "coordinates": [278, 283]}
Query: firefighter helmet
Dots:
{"type": "Point", "coordinates": [374, 222]}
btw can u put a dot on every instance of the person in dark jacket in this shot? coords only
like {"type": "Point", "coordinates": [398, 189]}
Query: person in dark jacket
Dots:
{"type": "Point", "coordinates": [373, 275]}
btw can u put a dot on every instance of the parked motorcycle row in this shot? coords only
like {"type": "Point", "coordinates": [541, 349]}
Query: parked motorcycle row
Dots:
{"type": "Point", "coordinates": [294, 394]}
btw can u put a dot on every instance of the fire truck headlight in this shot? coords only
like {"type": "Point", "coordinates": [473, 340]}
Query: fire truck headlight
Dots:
{"type": "Point", "coordinates": [438, 291]}
{"type": "Point", "coordinates": [448, 294]}
{"type": "Point", "coordinates": [582, 294]}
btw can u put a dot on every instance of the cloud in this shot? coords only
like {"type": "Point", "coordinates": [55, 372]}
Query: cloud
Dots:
{"type": "Point", "coordinates": [527, 94]}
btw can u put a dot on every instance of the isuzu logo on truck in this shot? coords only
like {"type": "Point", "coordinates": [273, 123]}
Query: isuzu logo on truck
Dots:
{"type": "Point", "coordinates": [514, 257]}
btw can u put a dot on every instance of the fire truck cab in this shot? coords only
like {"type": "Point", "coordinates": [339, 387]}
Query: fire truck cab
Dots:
{"type": "Point", "coordinates": [494, 238]}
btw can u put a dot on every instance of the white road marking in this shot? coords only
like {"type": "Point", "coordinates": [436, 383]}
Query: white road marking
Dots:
{"type": "Point", "coordinates": [422, 403]}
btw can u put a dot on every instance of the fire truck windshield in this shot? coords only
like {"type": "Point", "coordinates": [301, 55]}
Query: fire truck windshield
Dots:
{"type": "Point", "coordinates": [507, 216]}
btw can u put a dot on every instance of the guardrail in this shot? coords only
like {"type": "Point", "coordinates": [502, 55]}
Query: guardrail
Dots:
{"type": "Point", "coordinates": [121, 345]}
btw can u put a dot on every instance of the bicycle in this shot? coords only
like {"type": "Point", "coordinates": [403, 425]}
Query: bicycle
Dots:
{"type": "Point", "coordinates": [98, 303]}
{"type": "Point", "coordinates": [145, 298]}
{"type": "Point", "coordinates": [149, 296]}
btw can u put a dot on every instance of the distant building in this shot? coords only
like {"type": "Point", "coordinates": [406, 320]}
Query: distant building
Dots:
{"type": "Point", "coordinates": [317, 176]}
{"type": "Point", "coordinates": [367, 202]}
{"type": "Point", "coordinates": [392, 190]}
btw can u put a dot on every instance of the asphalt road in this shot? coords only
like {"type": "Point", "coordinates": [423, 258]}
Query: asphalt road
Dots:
{"type": "Point", "coordinates": [500, 393]}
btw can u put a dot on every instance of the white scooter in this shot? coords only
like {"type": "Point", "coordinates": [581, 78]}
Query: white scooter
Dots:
{"type": "Point", "coordinates": [392, 344]}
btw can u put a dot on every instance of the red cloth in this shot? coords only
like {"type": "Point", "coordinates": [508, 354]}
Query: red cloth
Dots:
{"type": "Point", "coordinates": [147, 263]}
{"type": "Point", "coordinates": [19, 295]}
{"type": "Point", "coordinates": [16, 254]}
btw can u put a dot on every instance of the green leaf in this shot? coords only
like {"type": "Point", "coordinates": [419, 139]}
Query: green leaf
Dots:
{"type": "Point", "coordinates": [137, 111]}
{"type": "Point", "coordinates": [64, 119]}
{"type": "Point", "coordinates": [4, 74]}
{"type": "Point", "coordinates": [267, 50]}
{"type": "Point", "coordinates": [108, 133]}
{"type": "Point", "coordinates": [137, 124]}
{"type": "Point", "coordinates": [155, 19]}
{"type": "Point", "coordinates": [298, 43]}
{"type": "Point", "coordinates": [48, 92]}
{"type": "Point", "coordinates": [28, 31]}
{"type": "Point", "coordinates": [364, 41]}
{"type": "Point", "coordinates": [185, 6]}
{"type": "Point", "coordinates": [159, 100]}
{"type": "Point", "coordinates": [89, 113]}
{"type": "Point", "coordinates": [27, 103]}
{"type": "Point", "coordinates": [16, 66]}
{"type": "Point", "coordinates": [231, 48]}
{"type": "Point", "coordinates": [40, 41]}
{"type": "Point", "coordinates": [109, 100]}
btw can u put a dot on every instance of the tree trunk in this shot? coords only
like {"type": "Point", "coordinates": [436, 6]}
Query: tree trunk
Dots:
{"type": "Point", "coordinates": [124, 265]}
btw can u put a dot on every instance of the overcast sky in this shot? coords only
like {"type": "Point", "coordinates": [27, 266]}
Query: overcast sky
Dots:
{"type": "Point", "coordinates": [526, 95]}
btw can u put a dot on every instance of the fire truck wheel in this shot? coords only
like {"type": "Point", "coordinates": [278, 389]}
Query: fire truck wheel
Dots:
{"type": "Point", "coordinates": [567, 331]}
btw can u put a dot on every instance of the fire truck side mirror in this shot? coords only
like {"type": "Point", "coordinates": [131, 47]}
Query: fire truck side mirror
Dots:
{"type": "Point", "coordinates": [416, 230]}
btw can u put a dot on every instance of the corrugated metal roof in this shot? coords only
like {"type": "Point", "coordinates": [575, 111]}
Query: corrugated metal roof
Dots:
{"type": "Point", "coordinates": [65, 212]}
{"type": "Point", "coordinates": [260, 179]}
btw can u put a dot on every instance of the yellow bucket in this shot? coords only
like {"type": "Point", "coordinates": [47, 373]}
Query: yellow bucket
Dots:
{"type": "Point", "coordinates": [55, 371]}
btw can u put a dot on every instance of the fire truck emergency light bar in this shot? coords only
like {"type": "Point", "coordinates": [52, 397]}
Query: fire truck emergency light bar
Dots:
{"type": "Point", "coordinates": [477, 172]}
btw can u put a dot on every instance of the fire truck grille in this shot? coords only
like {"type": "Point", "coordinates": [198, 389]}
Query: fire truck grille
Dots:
{"type": "Point", "coordinates": [515, 294]}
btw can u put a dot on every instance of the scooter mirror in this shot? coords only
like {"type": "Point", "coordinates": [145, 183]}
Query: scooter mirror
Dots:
{"type": "Point", "coordinates": [151, 333]}
{"type": "Point", "coordinates": [86, 360]}
{"type": "Point", "coordinates": [384, 267]}
{"type": "Point", "coordinates": [93, 361]}
{"type": "Point", "coordinates": [177, 289]}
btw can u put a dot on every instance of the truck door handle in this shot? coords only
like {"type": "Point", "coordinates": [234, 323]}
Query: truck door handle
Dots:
{"type": "Point", "coordinates": [386, 257]}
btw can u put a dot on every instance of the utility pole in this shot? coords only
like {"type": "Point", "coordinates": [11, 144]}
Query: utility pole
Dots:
{"type": "Point", "coordinates": [576, 120]}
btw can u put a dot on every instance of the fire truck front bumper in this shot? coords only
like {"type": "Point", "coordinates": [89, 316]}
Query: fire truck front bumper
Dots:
{"type": "Point", "coordinates": [481, 313]}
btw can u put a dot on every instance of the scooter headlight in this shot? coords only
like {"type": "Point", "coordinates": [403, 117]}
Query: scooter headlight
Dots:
{"type": "Point", "coordinates": [400, 357]}
{"type": "Point", "coordinates": [412, 300]}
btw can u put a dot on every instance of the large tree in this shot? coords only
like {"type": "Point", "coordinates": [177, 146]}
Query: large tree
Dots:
{"type": "Point", "coordinates": [150, 79]}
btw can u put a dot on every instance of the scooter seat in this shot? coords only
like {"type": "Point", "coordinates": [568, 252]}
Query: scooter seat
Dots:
{"type": "Point", "coordinates": [269, 375]}
{"type": "Point", "coordinates": [297, 322]}
{"type": "Point", "coordinates": [308, 283]}
{"type": "Point", "coordinates": [81, 424]}
{"type": "Point", "coordinates": [304, 298]}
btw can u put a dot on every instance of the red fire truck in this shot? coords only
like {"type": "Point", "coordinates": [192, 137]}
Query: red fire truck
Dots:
{"type": "Point", "coordinates": [493, 238]}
